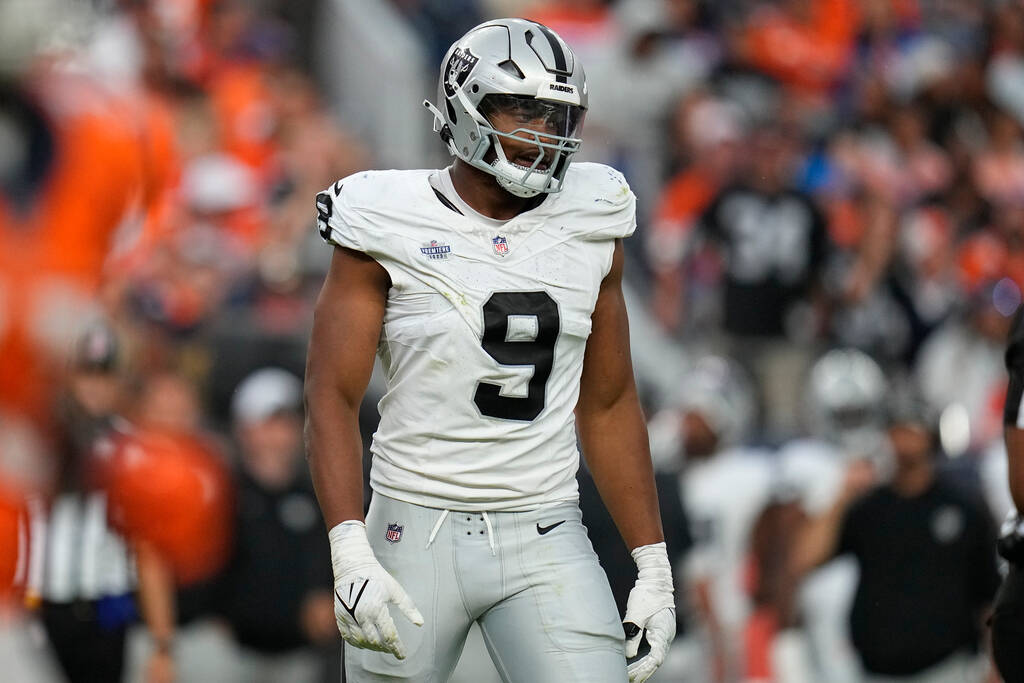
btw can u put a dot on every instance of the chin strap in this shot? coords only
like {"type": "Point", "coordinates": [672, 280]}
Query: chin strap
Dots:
{"type": "Point", "coordinates": [439, 125]}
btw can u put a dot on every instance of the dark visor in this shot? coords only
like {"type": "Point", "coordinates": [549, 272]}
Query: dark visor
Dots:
{"type": "Point", "coordinates": [554, 117]}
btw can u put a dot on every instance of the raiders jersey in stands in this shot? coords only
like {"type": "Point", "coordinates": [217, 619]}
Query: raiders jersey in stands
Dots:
{"type": "Point", "coordinates": [773, 246]}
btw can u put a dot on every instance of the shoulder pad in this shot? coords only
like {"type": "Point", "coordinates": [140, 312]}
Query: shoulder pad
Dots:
{"type": "Point", "coordinates": [355, 207]}
{"type": "Point", "coordinates": [601, 200]}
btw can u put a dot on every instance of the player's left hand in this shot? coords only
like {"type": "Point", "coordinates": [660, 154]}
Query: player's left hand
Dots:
{"type": "Point", "coordinates": [650, 611]}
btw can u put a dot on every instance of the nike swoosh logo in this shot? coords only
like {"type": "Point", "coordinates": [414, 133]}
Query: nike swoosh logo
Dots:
{"type": "Point", "coordinates": [337, 187]}
{"type": "Point", "coordinates": [351, 610]}
{"type": "Point", "coordinates": [544, 529]}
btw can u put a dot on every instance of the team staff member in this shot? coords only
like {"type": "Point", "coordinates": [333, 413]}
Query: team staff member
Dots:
{"type": "Point", "coordinates": [492, 291]}
{"type": "Point", "coordinates": [927, 571]}
{"type": "Point", "coordinates": [1008, 614]}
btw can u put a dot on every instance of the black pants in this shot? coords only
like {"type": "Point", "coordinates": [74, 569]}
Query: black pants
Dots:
{"type": "Point", "coordinates": [1008, 627]}
{"type": "Point", "coordinates": [87, 652]}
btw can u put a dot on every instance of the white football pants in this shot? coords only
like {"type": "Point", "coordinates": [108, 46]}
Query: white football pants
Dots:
{"type": "Point", "coordinates": [541, 599]}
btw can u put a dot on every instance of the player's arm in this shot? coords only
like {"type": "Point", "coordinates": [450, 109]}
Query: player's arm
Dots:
{"type": "Point", "coordinates": [611, 423]}
{"type": "Point", "coordinates": [1013, 416]}
{"type": "Point", "coordinates": [1011, 538]}
{"type": "Point", "coordinates": [1007, 623]}
{"type": "Point", "coordinates": [157, 604]}
{"type": "Point", "coordinates": [1015, 459]}
{"type": "Point", "coordinates": [347, 322]}
{"type": "Point", "coordinates": [819, 540]}
{"type": "Point", "coordinates": [346, 327]}
{"type": "Point", "coordinates": [614, 439]}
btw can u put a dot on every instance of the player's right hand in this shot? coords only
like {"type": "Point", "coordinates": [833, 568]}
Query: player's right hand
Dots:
{"type": "Point", "coordinates": [363, 589]}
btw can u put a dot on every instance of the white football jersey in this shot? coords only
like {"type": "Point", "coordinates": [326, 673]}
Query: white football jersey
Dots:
{"type": "Point", "coordinates": [484, 332]}
{"type": "Point", "coordinates": [724, 495]}
{"type": "Point", "coordinates": [813, 470]}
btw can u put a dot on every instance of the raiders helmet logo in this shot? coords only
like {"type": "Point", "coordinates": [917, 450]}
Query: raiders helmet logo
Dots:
{"type": "Point", "coordinates": [459, 66]}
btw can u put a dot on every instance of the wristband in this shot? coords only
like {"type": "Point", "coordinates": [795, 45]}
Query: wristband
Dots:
{"type": "Point", "coordinates": [651, 557]}
{"type": "Point", "coordinates": [350, 549]}
{"type": "Point", "coordinates": [653, 566]}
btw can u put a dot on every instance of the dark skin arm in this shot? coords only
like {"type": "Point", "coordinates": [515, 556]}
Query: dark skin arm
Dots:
{"type": "Point", "coordinates": [157, 603]}
{"type": "Point", "coordinates": [611, 423]}
{"type": "Point", "coordinates": [1015, 460]}
{"type": "Point", "coordinates": [347, 324]}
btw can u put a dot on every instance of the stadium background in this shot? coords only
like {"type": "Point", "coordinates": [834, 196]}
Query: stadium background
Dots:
{"type": "Point", "coordinates": [173, 200]}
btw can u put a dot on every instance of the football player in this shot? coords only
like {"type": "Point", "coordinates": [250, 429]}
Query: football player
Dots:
{"type": "Point", "coordinates": [1008, 609]}
{"type": "Point", "coordinates": [491, 290]}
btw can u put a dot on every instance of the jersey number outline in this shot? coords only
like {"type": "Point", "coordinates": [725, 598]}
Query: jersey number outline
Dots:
{"type": "Point", "coordinates": [538, 352]}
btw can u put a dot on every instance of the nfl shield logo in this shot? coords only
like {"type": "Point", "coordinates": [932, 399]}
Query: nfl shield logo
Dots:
{"type": "Point", "coordinates": [394, 534]}
{"type": "Point", "coordinates": [500, 245]}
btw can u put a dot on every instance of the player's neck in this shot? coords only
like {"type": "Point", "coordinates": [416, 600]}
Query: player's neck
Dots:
{"type": "Point", "coordinates": [481, 191]}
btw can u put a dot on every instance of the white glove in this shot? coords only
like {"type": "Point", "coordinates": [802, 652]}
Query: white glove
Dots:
{"type": "Point", "coordinates": [362, 591]}
{"type": "Point", "coordinates": [650, 609]}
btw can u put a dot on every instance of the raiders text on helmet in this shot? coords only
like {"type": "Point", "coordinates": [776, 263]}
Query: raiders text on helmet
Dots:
{"type": "Point", "coordinates": [520, 66]}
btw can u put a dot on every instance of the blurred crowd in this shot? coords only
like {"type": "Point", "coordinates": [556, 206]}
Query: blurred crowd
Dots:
{"type": "Point", "coordinates": [829, 252]}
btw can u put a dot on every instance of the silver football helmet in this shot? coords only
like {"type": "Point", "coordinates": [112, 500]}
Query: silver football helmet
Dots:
{"type": "Point", "coordinates": [846, 395]}
{"type": "Point", "coordinates": [720, 390]}
{"type": "Point", "coordinates": [520, 68]}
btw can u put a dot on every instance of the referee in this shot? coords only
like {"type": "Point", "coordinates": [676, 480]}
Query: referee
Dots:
{"type": "Point", "coordinates": [1008, 613]}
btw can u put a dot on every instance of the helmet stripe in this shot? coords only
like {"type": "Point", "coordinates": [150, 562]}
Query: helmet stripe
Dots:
{"type": "Point", "coordinates": [556, 49]}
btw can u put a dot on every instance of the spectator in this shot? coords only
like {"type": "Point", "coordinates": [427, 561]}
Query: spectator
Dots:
{"type": "Point", "coordinates": [961, 363]}
{"type": "Point", "coordinates": [710, 132]}
{"type": "Point", "coordinates": [58, 216]}
{"type": "Point", "coordinates": [808, 45]}
{"type": "Point", "coordinates": [773, 244]}
{"type": "Point", "coordinates": [276, 588]}
{"type": "Point", "coordinates": [173, 496]}
{"type": "Point", "coordinates": [655, 59]}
